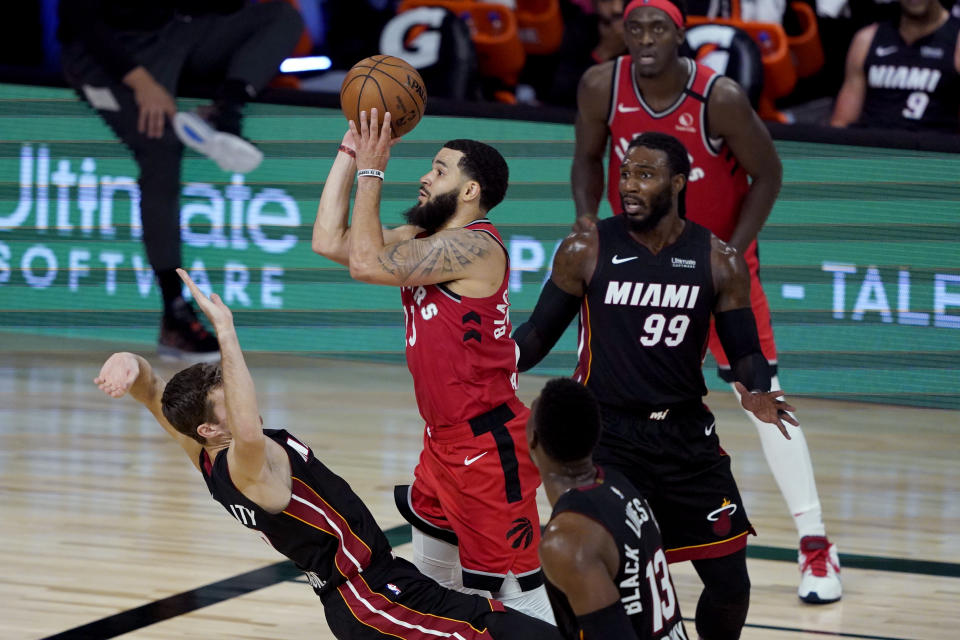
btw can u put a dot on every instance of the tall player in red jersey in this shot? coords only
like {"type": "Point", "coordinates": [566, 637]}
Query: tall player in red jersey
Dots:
{"type": "Point", "coordinates": [473, 500]}
{"type": "Point", "coordinates": [736, 175]}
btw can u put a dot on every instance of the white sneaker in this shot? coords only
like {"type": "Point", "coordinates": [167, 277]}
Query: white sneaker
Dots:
{"type": "Point", "coordinates": [819, 571]}
{"type": "Point", "coordinates": [231, 152]}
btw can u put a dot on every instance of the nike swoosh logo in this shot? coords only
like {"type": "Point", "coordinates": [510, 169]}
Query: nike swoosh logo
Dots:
{"type": "Point", "coordinates": [883, 52]}
{"type": "Point", "coordinates": [619, 260]}
{"type": "Point", "coordinates": [623, 109]}
{"type": "Point", "coordinates": [709, 430]}
{"type": "Point", "coordinates": [469, 461]}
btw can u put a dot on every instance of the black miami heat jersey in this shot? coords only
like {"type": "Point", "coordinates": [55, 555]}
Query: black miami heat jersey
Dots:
{"type": "Point", "coordinates": [325, 529]}
{"type": "Point", "coordinates": [643, 579]}
{"type": "Point", "coordinates": [912, 86]}
{"type": "Point", "coordinates": [645, 319]}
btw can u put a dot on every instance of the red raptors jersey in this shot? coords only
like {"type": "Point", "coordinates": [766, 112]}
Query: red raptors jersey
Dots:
{"type": "Point", "coordinates": [459, 349]}
{"type": "Point", "coordinates": [717, 183]}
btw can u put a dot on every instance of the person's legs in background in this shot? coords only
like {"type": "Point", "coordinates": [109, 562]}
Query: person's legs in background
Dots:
{"type": "Point", "coordinates": [242, 52]}
{"type": "Point", "coordinates": [182, 335]}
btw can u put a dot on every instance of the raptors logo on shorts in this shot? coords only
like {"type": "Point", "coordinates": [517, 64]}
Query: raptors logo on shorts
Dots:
{"type": "Point", "coordinates": [521, 533]}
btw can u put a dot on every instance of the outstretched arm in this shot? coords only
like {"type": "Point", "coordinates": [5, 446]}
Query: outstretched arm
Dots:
{"type": "Point", "coordinates": [330, 229]}
{"type": "Point", "coordinates": [247, 452]}
{"type": "Point", "coordinates": [124, 373]}
{"type": "Point", "coordinates": [737, 330]}
{"type": "Point", "coordinates": [378, 258]}
{"type": "Point", "coordinates": [580, 558]}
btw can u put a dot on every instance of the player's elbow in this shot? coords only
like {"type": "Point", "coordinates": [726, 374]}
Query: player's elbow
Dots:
{"type": "Point", "coordinates": [363, 270]}
{"type": "Point", "coordinates": [771, 173]}
{"type": "Point", "coordinates": [320, 246]}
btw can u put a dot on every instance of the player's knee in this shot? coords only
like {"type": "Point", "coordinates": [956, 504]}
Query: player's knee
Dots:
{"type": "Point", "coordinates": [722, 608]}
{"type": "Point", "coordinates": [725, 578]}
{"type": "Point", "coordinates": [161, 154]}
{"type": "Point", "coordinates": [282, 17]}
{"type": "Point", "coordinates": [533, 602]}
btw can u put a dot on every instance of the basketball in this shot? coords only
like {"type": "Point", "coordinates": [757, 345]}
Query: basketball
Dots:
{"type": "Point", "coordinates": [385, 83]}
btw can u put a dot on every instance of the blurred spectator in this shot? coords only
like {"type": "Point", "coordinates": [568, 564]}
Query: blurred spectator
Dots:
{"type": "Point", "coordinates": [353, 28]}
{"type": "Point", "coordinates": [589, 38]}
{"type": "Point", "coordinates": [904, 74]}
{"type": "Point", "coordinates": [749, 10]}
{"type": "Point", "coordinates": [126, 58]}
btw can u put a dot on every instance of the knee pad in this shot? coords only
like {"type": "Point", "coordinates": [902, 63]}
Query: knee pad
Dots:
{"type": "Point", "coordinates": [533, 602]}
{"type": "Point", "coordinates": [437, 559]}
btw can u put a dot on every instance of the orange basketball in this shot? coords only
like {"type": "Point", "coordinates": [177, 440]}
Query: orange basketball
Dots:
{"type": "Point", "coordinates": [387, 84]}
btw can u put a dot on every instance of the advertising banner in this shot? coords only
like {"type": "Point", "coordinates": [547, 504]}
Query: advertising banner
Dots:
{"type": "Point", "coordinates": [860, 257]}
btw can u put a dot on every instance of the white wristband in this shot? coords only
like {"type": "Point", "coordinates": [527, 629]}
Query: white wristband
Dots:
{"type": "Point", "coordinates": [370, 173]}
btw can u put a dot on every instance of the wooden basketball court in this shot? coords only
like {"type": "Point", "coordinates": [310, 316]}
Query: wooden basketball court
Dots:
{"type": "Point", "coordinates": [108, 530]}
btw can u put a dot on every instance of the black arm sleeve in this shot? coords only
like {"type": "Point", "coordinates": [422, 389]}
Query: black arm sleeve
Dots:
{"type": "Point", "coordinates": [535, 337]}
{"type": "Point", "coordinates": [609, 622]}
{"type": "Point", "coordinates": [737, 330]}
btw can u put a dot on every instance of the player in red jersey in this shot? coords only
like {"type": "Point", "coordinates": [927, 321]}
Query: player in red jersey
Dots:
{"type": "Point", "coordinates": [473, 500]}
{"type": "Point", "coordinates": [654, 89]}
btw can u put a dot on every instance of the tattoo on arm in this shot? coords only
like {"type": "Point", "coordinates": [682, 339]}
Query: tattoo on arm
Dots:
{"type": "Point", "coordinates": [444, 254]}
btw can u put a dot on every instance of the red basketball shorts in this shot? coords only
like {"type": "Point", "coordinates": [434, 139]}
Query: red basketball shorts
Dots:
{"type": "Point", "coordinates": [476, 486]}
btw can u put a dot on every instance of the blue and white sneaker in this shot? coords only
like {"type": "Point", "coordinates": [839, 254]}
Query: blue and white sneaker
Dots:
{"type": "Point", "coordinates": [231, 152]}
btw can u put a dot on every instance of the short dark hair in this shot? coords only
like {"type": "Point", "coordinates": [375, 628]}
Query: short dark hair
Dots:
{"type": "Point", "coordinates": [678, 159]}
{"type": "Point", "coordinates": [186, 398]}
{"type": "Point", "coordinates": [483, 163]}
{"type": "Point", "coordinates": [567, 420]}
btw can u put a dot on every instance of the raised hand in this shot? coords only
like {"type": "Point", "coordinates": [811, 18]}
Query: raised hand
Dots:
{"type": "Point", "coordinates": [213, 307]}
{"type": "Point", "coordinates": [767, 407]}
{"type": "Point", "coordinates": [373, 145]}
{"type": "Point", "coordinates": [118, 374]}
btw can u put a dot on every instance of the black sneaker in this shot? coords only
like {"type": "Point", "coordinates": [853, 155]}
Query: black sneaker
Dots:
{"type": "Point", "coordinates": [183, 337]}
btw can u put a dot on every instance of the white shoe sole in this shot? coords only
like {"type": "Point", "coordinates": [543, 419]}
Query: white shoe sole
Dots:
{"type": "Point", "coordinates": [172, 354]}
{"type": "Point", "coordinates": [231, 153]}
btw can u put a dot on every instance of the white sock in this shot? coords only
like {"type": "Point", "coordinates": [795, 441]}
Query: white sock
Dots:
{"type": "Point", "coordinates": [437, 559]}
{"type": "Point", "coordinates": [790, 463]}
{"type": "Point", "coordinates": [534, 603]}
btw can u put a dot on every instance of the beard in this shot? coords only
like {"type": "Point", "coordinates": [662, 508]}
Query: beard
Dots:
{"type": "Point", "coordinates": [659, 208]}
{"type": "Point", "coordinates": [433, 214]}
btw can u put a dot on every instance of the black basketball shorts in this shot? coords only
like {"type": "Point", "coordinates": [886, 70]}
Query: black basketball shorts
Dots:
{"type": "Point", "coordinates": [672, 455]}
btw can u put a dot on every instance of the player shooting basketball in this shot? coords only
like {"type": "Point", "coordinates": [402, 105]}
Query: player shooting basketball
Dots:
{"type": "Point", "coordinates": [473, 500]}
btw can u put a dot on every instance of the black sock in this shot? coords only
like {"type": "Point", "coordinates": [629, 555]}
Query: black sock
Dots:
{"type": "Point", "coordinates": [171, 286]}
{"type": "Point", "coordinates": [231, 98]}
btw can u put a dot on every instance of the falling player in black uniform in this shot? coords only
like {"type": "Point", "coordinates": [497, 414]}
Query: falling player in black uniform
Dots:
{"type": "Point", "coordinates": [906, 74]}
{"type": "Point", "coordinates": [646, 284]}
{"type": "Point", "coordinates": [601, 552]}
{"type": "Point", "coordinates": [271, 482]}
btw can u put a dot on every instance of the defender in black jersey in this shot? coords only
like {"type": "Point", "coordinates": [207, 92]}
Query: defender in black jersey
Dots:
{"type": "Point", "coordinates": [905, 74]}
{"type": "Point", "coordinates": [271, 482]}
{"type": "Point", "coordinates": [601, 552]}
{"type": "Point", "coordinates": [645, 284]}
